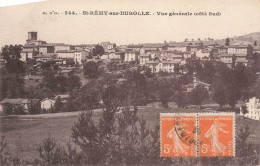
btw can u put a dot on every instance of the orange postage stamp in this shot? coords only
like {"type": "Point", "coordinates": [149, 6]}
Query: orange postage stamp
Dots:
{"type": "Point", "coordinates": [216, 134]}
{"type": "Point", "coordinates": [178, 135]}
{"type": "Point", "coordinates": [197, 134]}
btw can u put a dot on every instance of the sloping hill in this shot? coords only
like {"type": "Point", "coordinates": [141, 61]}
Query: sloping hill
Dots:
{"type": "Point", "coordinates": [249, 37]}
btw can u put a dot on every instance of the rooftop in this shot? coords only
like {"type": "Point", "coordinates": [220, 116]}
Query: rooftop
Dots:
{"type": "Point", "coordinates": [244, 45]}
{"type": "Point", "coordinates": [29, 45]}
{"type": "Point", "coordinates": [62, 96]}
{"type": "Point", "coordinates": [230, 55]}
{"type": "Point", "coordinates": [134, 46]}
{"type": "Point", "coordinates": [154, 45]}
{"type": "Point", "coordinates": [49, 100]}
{"type": "Point", "coordinates": [27, 51]}
{"type": "Point", "coordinates": [15, 101]}
{"type": "Point", "coordinates": [65, 51]}
{"type": "Point", "coordinates": [256, 48]}
{"type": "Point", "coordinates": [46, 45]}
{"type": "Point", "coordinates": [172, 51]}
{"type": "Point", "coordinates": [45, 55]}
{"type": "Point", "coordinates": [144, 55]}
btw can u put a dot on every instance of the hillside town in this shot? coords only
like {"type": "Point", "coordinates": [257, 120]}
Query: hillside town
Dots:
{"type": "Point", "coordinates": [163, 59]}
{"type": "Point", "coordinates": [131, 83]}
{"type": "Point", "coordinates": [168, 59]}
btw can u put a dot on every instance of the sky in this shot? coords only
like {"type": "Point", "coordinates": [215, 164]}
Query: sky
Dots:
{"type": "Point", "coordinates": [238, 17]}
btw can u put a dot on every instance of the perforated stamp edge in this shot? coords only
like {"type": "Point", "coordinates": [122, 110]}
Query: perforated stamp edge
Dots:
{"type": "Point", "coordinates": [177, 114]}
{"type": "Point", "coordinates": [197, 114]}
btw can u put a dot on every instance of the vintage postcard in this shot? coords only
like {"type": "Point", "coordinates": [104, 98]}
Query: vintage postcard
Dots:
{"type": "Point", "coordinates": [128, 82]}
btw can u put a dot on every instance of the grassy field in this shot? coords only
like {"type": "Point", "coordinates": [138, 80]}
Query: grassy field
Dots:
{"type": "Point", "coordinates": [25, 133]}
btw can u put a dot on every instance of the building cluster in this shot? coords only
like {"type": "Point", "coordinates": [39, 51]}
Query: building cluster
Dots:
{"type": "Point", "coordinates": [169, 57]}
{"type": "Point", "coordinates": [159, 57]}
{"type": "Point", "coordinates": [42, 51]}
{"type": "Point", "coordinates": [253, 108]}
{"type": "Point", "coordinates": [46, 104]}
{"type": "Point", "coordinates": [166, 57]}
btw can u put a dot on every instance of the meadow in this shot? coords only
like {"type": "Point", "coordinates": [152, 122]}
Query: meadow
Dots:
{"type": "Point", "coordinates": [25, 133]}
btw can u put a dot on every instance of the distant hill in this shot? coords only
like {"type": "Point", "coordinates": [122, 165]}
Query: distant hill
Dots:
{"type": "Point", "coordinates": [246, 39]}
{"type": "Point", "coordinates": [252, 37]}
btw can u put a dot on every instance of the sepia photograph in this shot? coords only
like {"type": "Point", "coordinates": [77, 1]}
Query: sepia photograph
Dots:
{"type": "Point", "coordinates": [130, 82]}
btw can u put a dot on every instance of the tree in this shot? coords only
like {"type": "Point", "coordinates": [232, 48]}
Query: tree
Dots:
{"type": "Point", "coordinates": [246, 148]}
{"type": "Point", "coordinates": [58, 105]}
{"type": "Point", "coordinates": [256, 61]}
{"type": "Point", "coordinates": [180, 98]}
{"type": "Point", "coordinates": [73, 82]}
{"type": "Point", "coordinates": [136, 86]}
{"type": "Point", "coordinates": [7, 109]}
{"type": "Point", "coordinates": [15, 66]}
{"type": "Point", "coordinates": [61, 83]}
{"type": "Point", "coordinates": [51, 153]}
{"type": "Point", "coordinates": [244, 110]}
{"type": "Point", "coordinates": [227, 42]}
{"type": "Point", "coordinates": [147, 71]}
{"type": "Point", "coordinates": [49, 81]}
{"type": "Point", "coordinates": [70, 62]}
{"type": "Point", "coordinates": [165, 91]}
{"type": "Point", "coordinates": [244, 78]}
{"type": "Point", "coordinates": [193, 65]}
{"type": "Point", "coordinates": [11, 55]}
{"type": "Point", "coordinates": [254, 90]}
{"type": "Point", "coordinates": [98, 51]}
{"type": "Point", "coordinates": [106, 143]}
{"type": "Point", "coordinates": [85, 98]}
{"type": "Point", "coordinates": [91, 69]}
{"type": "Point", "coordinates": [198, 95]}
{"type": "Point", "coordinates": [231, 85]}
{"type": "Point", "coordinates": [11, 52]}
{"type": "Point", "coordinates": [34, 107]}
{"type": "Point", "coordinates": [255, 43]}
{"type": "Point", "coordinates": [14, 86]}
{"type": "Point", "coordinates": [207, 72]}
{"type": "Point", "coordinates": [47, 65]}
{"type": "Point", "coordinates": [219, 93]}
{"type": "Point", "coordinates": [234, 58]}
{"type": "Point", "coordinates": [19, 110]}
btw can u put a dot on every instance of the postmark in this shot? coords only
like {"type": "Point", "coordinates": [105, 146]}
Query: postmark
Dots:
{"type": "Point", "coordinates": [197, 134]}
{"type": "Point", "coordinates": [178, 135]}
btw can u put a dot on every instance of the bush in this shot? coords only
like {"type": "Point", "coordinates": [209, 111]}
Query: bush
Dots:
{"type": "Point", "coordinates": [247, 153]}
{"type": "Point", "coordinates": [35, 107]}
{"type": "Point", "coordinates": [3, 151]}
{"type": "Point", "coordinates": [19, 110]}
{"type": "Point", "coordinates": [91, 69]}
{"type": "Point", "coordinates": [7, 109]}
{"type": "Point", "coordinates": [51, 153]}
{"type": "Point", "coordinates": [125, 143]}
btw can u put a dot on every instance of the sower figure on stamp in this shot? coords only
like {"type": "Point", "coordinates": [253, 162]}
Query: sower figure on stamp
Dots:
{"type": "Point", "coordinates": [212, 133]}
{"type": "Point", "coordinates": [179, 146]}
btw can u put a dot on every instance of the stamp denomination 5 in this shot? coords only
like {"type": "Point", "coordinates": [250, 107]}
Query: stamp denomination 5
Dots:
{"type": "Point", "coordinates": [197, 134]}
